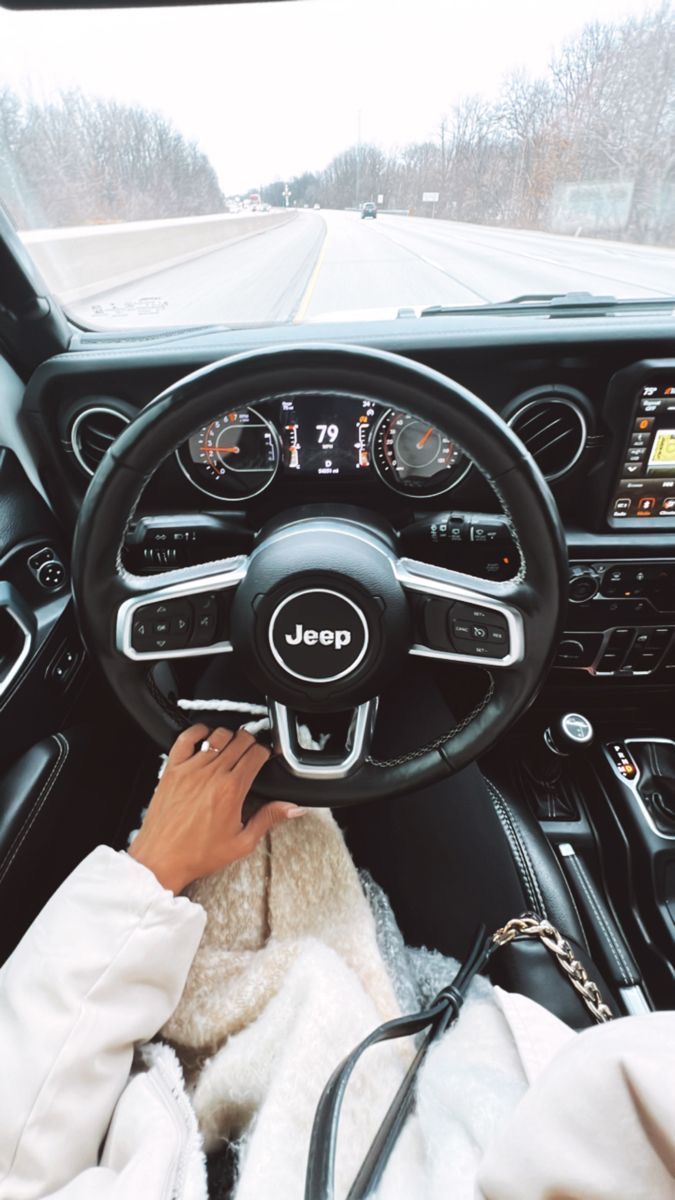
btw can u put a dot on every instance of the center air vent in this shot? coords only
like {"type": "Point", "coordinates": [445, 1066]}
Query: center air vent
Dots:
{"type": "Point", "coordinates": [92, 432]}
{"type": "Point", "coordinates": [554, 430]}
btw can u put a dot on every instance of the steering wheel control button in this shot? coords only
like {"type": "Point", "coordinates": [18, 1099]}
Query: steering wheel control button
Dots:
{"type": "Point", "coordinates": [205, 619]}
{"type": "Point", "coordinates": [479, 632]}
{"type": "Point", "coordinates": [318, 635]}
{"type": "Point", "coordinates": [163, 626]}
{"type": "Point", "coordinates": [498, 635]}
{"type": "Point", "coordinates": [461, 629]}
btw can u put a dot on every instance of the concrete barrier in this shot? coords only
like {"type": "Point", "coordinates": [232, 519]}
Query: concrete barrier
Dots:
{"type": "Point", "coordinates": [91, 259]}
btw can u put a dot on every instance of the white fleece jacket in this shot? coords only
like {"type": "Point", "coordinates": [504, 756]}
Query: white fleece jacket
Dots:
{"type": "Point", "coordinates": [98, 973]}
{"type": "Point", "coordinates": [89, 1111]}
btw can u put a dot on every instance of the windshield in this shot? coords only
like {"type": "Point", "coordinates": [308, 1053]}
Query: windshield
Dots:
{"type": "Point", "coordinates": [319, 159]}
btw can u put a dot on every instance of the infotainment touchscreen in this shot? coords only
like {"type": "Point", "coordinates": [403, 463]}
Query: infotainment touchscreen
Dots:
{"type": "Point", "coordinates": [646, 488]}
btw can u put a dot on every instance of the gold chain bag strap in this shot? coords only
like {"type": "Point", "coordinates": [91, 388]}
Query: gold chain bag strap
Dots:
{"type": "Point", "coordinates": [533, 927]}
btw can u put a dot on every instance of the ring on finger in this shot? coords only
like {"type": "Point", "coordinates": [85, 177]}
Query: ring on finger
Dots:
{"type": "Point", "coordinates": [206, 745]}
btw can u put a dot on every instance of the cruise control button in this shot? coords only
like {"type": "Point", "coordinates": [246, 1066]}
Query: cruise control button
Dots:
{"type": "Point", "coordinates": [461, 629]}
{"type": "Point", "coordinates": [479, 632]}
{"type": "Point", "coordinates": [497, 635]}
{"type": "Point", "coordinates": [482, 616]}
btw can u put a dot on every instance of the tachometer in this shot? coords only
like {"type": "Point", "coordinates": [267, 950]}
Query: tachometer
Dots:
{"type": "Point", "coordinates": [234, 457]}
{"type": "Point", "coordinates": [415, 458]}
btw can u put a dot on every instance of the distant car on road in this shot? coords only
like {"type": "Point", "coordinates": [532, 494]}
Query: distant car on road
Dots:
{"type": "Point", "coordinates": [317, 206]}
{"type": "Point", "coordinates": [368, 210]}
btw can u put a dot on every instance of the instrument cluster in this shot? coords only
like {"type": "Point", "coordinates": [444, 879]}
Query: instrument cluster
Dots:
{"type": "Point", "coordinates": [302, 436]}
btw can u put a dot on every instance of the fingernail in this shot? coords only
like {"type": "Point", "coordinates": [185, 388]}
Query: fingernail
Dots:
{"type": "Point", "coordinates": [295, 812]}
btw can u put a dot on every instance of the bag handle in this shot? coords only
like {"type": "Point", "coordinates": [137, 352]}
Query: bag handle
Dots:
{"type": "Point", "coordinates": [444, 1011]}
{"type": "Point", "coordinates": [320, 1178]}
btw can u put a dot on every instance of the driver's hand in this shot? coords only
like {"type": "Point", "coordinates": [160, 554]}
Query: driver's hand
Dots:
{"type": "Point", "coordinates": [193, 825]}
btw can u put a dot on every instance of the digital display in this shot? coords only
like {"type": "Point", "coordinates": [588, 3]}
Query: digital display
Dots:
{"type": "Point", "coordinates": [646, 489]}
{"type": "Point", "coordinates": [662, 457]}
{"type": "Point", "coordinates": [324, 436]}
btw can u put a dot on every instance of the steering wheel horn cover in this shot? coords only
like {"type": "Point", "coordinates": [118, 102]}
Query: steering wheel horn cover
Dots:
{"type": "Point", "coordinates": [318, 655]}
{"type": "Point", "coordinates": [371, 581]}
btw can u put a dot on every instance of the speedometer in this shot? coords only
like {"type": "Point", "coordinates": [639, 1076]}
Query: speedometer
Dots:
{"type": "Point", "coordinates": [234, 457]}
{"type": "Point", "coordinates": [415, 458]}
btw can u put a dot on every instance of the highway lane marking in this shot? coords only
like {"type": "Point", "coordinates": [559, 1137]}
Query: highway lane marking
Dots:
{"type": "Point", "coordinates": [313, 279]}
{"type": "Point", "coordinates": [488, 244]}
{"type": "Point", "coordinates": [429, 262]}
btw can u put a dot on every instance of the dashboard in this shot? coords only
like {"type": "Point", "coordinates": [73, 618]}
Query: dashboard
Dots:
{"type": "Point", "coordinates": [240, 454]}
{"type": "Point", "coordinates": [592, 399]}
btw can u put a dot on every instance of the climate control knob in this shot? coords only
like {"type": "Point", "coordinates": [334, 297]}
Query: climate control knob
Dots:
{"type": "Point", "coordinates": [583, 584]}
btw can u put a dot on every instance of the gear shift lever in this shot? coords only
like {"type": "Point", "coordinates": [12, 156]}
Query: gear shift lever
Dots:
{"type": "Point", "coordinates": [569, 734]}
{"type": "Point", "coordinates": [550, 798]}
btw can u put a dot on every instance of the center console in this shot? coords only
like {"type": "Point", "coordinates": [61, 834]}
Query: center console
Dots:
{"type": "Point", "coordinates": [621, 617]}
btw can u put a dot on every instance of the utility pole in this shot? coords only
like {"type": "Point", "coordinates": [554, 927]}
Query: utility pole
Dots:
{"type": "Point", "coordinates": [358, 159]}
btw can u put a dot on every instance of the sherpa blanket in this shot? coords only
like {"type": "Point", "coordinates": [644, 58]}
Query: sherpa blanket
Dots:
{"type": "Point", "coordinates": [289, 976]}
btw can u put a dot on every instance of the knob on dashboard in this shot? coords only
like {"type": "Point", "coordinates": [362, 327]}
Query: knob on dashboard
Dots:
{"type": "Point", "coordinates": [583, 584]}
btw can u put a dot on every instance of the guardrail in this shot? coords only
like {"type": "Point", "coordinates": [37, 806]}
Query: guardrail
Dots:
{"type": "Point", "coordinates": [88, 260]}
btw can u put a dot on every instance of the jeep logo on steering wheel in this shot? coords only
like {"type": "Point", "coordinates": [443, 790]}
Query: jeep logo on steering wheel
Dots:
{"type": "Point", "coordinates": [325, 637]}
{"type": "Point", "coordinates": [318, 635]}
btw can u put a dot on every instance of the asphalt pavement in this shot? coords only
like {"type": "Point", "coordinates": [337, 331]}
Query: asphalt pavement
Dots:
{"type": "Point", "coordinates": [334, 263]}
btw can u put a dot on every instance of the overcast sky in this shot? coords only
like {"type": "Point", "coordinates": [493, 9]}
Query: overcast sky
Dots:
{"type": "Point", "coordinates": [269, 90]}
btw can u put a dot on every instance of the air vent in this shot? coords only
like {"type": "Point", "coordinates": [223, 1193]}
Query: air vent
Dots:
{"type": "Point", "coordinates": [92, 432]}
{"type": "Point", "coordinates": [554, 431]}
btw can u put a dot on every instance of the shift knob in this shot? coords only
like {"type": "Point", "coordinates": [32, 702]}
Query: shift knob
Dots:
{"type": "Point", "coordinates": [569, 734]}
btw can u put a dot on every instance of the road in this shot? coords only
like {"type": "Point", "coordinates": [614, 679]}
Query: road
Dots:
{"type": "Point", "coordinates": [326, 263]}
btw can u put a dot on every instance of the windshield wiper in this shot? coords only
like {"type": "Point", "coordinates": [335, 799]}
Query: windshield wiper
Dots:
{"type": "Point", "coordinates": [559, 304]}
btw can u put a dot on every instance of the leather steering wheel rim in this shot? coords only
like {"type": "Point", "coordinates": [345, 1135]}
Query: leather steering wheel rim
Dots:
{"type": "Point", "coordinates": [101, 584]}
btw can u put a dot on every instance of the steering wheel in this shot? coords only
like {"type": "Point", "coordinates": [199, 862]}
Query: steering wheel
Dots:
{"type": "Point", "coordinates": [323, 612]}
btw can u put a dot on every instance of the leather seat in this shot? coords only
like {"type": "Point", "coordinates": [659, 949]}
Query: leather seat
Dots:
{"type": "Point", "coordinates": [463, 852]}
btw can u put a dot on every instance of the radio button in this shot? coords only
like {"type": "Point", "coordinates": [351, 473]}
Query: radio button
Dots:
{"type": "Point", "coordinates": [610, 661]}
{"type": "Point", "coordinates": [644, 660]}
{"type": "Point", "coordinates": [583, 585]}
{"type": "Point", "coordinates": [620, 639]}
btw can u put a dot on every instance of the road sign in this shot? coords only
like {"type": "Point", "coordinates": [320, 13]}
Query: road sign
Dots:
{"type": "Point", "coordinates": [380, 199]}
{"type": "Point", "coordinates": [430, 197]}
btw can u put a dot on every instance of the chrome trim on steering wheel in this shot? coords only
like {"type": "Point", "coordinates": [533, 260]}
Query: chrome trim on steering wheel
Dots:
{"type": "Point", "coordinates": [431, 580]}
{"type": "Point", "coordinates": [357, 744]}
{"type": "Point", "coordinates": [186, 584]}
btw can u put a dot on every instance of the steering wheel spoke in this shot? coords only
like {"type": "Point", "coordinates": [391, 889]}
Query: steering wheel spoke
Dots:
{"type": "Point", "coordinates": [316, 763]}
{"type": "Point", "coordinates": [462, 618]}
{"type": "Point", "coordinates": [178, 614]}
